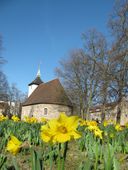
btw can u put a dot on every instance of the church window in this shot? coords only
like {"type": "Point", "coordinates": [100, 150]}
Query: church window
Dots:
{"type": "Point", "coordinates": [45, 111]}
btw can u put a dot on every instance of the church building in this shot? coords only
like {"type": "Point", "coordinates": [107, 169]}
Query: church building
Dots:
{"type": "Point", "coordinates": [46, 100]}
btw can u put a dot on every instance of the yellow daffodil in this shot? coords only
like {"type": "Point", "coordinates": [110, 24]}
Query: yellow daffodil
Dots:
{"type": "Point", "coordinates": [31, 119]}
{"type": "Point", "coordinates": [60, 130]}
{"type": "Point", "coordinates": [46, 133]}
{"type": "Point", "coordinates": [118, 127]}
{"type": "Point", "coordinates": [108, 122]}
{"type": "Point", "coordinates": [2, 118]}
{"type": "Point", "coordinates": [43, 120]}
{"type": "Point", "coordinates": [82, 122]}
{"type": "Point", "coordinates": [95, 129]}
{"type": "Point", "coordinates": [112, 122]}
{"type": "Point", "coordinates": [92, 128]}
{"type": "Point", "coordinates": [91, 123]}
{"type": "Point", "coordinates": [105, 123]}
{"type": "Point", "coordinates": [13, 145]}
{"type": "Point", "coordinates": [15, 118]}
{"type": "Point", "coordinates": [98, 133]}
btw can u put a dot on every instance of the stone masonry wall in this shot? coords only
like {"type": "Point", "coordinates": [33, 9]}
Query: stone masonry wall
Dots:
{"type": "Point", "coordinates": [111, 114]}
{"type": "Point", "coordinates": [53, 110]}
{"type": "Point", "coordinates": [124, 115]}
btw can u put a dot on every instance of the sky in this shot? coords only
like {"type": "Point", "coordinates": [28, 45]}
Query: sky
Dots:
{"type": "Point", "coordinates": [44, 31]}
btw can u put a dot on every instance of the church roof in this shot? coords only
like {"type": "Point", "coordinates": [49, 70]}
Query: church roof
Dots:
{"type": "Point", "coordinates": [37, 81]}
{"type": "Point", "coordinates": [51, 92]}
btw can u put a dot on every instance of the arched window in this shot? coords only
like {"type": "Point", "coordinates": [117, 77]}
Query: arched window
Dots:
{"type": "Point", "coordinates": [45, 111]}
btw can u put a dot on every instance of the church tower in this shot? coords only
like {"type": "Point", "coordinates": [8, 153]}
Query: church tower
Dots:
{"type": "Point", "coordinates": [35, 83]}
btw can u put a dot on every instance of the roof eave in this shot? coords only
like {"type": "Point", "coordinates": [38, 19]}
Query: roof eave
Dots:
{"type": "Point", "coordinates": [47, 103]}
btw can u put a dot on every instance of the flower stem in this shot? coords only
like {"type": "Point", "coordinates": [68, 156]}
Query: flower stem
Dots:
{"type": "Point", "coordinates": [59, 157]}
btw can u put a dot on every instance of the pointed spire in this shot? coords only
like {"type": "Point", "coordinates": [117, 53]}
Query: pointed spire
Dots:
{"type": "Point", "coordinates": [37, 80]}
{"type": "Point", "coordinates": [38, 72]}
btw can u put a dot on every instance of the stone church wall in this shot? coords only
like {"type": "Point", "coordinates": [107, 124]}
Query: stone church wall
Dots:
{"type": "Point", "coordinates": [39, 110]}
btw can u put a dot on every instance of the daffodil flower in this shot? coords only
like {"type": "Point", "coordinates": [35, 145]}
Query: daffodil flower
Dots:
{"type": "Point", "coordinates": [13, 145]}
{"type": "Point", "coordinates": [15, 118]}
{"type": "Point", "coordinates": [60, 130]}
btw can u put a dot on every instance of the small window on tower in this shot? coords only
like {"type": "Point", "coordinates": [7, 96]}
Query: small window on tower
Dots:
{"type": "Point", "coordinates": [45, 111]}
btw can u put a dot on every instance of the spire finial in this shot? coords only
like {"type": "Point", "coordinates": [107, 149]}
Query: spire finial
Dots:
{"type": "Point", "coordinates": [38, 72]}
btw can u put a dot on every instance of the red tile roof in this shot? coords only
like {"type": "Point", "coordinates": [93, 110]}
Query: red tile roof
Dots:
{"type": "Point", "coordinates": [51, 92]}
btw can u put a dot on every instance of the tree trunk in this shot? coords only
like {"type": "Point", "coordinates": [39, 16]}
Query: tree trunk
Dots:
{"type": "Point", "coordinates": [118, 116]}
{"type": "Point", "coordinates": [82, 114]}
{"type": "Point", "coordinates": [102, 113]}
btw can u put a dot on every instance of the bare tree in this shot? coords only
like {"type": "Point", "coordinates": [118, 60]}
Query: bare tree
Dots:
{"type": "Point", "coordinates": [118, 24]}
{"type": "Point", "coordinates": [96, 48]}
{"type": "Point", "coordinates": [80, 72]}
{"type": "Point", "coordinates": [15, 98]}
{"type": "Point", "coordinates": [3, 87]}
{"type": "Point", "coordinates": [3, 79]}
{"type": "Point", "coordinates": [73, 74]}
{"type": "Point", "coordinates": [2, 60]}
{"type": "Point", "coordinates": [96, 73]}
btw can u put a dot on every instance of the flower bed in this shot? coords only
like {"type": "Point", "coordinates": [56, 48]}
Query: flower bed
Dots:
{"type": "Point", "coordinates": [66, 142]}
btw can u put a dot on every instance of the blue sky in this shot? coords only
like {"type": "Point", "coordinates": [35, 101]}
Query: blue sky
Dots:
{"type": "Point", "coordinates": [45, 31]}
